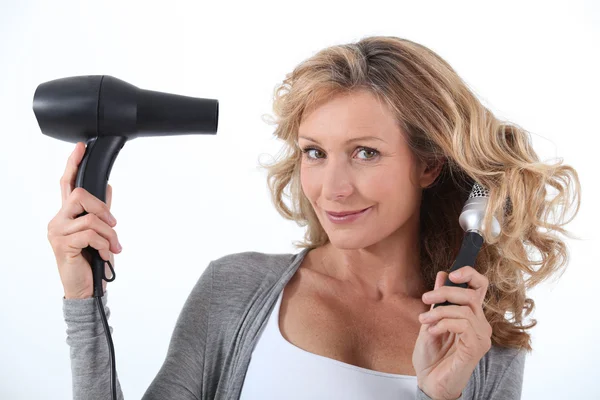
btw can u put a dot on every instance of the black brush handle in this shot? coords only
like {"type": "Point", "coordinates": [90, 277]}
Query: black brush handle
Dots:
{"type": "Point", "coordinates": [466, 256]}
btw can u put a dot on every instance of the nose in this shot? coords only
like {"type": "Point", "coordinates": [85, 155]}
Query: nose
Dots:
{"type": "Point", "coordinates": [337, 180]}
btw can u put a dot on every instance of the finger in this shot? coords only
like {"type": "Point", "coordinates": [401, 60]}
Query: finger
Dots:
{"type": "Point", "coordinates": [458, 326]}
{"type": "Point", "coordinates": [92, 221]}
{"type": "Point", "coordinates": [452, 312]}
{"type": "Point", "coordinates": [471, 276]}
{"type": "Point", "coordinates": [467, 334]}
{"type": "Point", "coordinates": [67, 181]}
{"type": "Point", "coordinates": [440, 278]}
{"type": "Point", "coordinates": [108, 195]}
{"type": "Point", "coordinates": [78, 241]}
{"type": "Point", "coordinates": [478, 320]}
{"type": "Point", "coordinates": [82, 200]}
{"type": "Point", "coordinates": [456, 295]}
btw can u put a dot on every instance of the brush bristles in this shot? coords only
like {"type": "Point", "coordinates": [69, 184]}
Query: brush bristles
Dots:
{"type": "Point", "coordinates": [481, 191]}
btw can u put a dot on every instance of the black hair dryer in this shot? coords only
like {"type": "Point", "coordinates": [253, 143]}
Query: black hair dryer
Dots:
{"type": "Point", "coordinates": [105, 112]}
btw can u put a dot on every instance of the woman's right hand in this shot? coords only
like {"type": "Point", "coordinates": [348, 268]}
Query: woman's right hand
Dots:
{"type": "Point", "coordinates": [68, 235]}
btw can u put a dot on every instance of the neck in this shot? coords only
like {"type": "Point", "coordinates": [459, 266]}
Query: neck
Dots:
{"type": "Point", "coordinates": [388, 269]}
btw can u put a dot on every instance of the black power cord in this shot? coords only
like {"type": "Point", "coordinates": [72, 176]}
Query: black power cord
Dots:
{"type": "Point", "coordinates": [98, 293]}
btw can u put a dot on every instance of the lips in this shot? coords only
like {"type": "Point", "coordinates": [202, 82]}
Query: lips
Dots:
{"type": "Point", "coordinates": [342, 214]}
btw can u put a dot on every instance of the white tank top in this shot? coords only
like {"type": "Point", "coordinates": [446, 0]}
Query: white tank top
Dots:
{"type": "Point", "coordinates": [280, 370]}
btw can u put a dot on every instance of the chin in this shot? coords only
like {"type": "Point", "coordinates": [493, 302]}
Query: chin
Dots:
{"type": "Point", "coordinates": [349, 240]}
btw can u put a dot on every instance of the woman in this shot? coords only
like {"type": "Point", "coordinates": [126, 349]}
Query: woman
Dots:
{"type": "Point", "coordinates": [383, 129]}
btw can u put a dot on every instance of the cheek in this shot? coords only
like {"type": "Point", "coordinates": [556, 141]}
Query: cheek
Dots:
{"type": "Point", "coordinates": [379, 187]}
{"type": "Point", "coordinates": [309, 182]}
{"type": "Point", "coordinates": [393, 192]}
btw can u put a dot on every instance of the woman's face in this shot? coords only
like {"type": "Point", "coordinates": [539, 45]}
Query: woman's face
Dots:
{"type": "Point", "coordinates": [341, 171]}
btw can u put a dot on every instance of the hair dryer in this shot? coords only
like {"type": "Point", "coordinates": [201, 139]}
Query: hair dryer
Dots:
{"type": "Point", "coordinates": [105, 112]}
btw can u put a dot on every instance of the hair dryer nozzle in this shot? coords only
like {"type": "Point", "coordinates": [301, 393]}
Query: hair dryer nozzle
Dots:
{"type": "Point", "coordinates": [161, 114]}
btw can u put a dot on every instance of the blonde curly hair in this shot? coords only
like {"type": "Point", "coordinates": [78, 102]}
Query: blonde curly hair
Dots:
{"type": "Point", "coordinates": [445, 123]}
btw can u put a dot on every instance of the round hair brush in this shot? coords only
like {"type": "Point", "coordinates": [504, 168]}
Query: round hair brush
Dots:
{"type": "Point", "coordinates": [471, 220]}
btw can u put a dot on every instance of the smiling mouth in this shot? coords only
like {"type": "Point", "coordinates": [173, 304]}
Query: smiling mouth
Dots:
{"type": "Point", "coordinates": [343, 214]}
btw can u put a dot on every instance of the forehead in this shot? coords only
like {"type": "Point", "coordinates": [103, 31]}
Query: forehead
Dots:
{"type": "Point", "coordinates": [348, 116]}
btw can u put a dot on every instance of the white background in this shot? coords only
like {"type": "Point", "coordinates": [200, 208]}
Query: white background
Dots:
{"type": "Point", "coordinates": [183, 201]}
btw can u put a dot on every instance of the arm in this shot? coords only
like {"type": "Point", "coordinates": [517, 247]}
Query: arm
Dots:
{"type": "Point", "coordinates": [503, 380]}
{"type": "Point", "coordinates": [90, 366]}
{"type": "Point", "coordinates": [180, 376]}
{"type": "Point", "coordinates": [510, 383]}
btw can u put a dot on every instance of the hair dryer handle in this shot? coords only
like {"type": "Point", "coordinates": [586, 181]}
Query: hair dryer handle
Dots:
{"type": "Point", "coordinates": [94, 169]}
{"type": "Point", "coordinates": [466, 256]}
{"type": "Point", "coordinates": [92, 175]}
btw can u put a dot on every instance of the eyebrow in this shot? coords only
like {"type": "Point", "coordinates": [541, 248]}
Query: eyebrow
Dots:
{"type": "Point", "coordinates": [348, 141]}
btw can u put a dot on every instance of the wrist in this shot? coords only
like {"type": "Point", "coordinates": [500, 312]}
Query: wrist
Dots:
{"type": "Point", "coordinates": [460, 397]}
{"type": "Point", "coordinates": [75, 296]}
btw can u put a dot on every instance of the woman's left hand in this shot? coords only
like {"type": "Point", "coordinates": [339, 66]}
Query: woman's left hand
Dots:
{"type": "Point", "coordinates": [452, 338]}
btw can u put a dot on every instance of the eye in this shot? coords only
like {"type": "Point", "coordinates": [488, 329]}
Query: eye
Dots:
{"type": "Point", "coordinates": [367, 150]}
{"type": "Point", "coordinates": [307, 150]}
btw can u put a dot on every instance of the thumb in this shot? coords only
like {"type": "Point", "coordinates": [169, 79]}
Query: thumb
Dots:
{"type": "Point", "coordinates": [440, 279]}
{"type": "Point", "coordinates": [108, 195]}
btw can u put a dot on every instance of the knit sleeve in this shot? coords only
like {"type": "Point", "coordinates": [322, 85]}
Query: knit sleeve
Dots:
{"type": "Point", "coordinates": [180, 376]}
{"type": "Point", "coordinates": [509, 382]}
{"type": "Point", "coordinates": [90, 363]}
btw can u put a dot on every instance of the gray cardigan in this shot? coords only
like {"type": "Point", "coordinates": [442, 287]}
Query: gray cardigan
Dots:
{"type": "Point", "coordinates": [217, 329]}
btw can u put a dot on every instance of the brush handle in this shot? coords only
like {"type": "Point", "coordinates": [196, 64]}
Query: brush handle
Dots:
{"type": "Point", "coordinates": [466, 256]}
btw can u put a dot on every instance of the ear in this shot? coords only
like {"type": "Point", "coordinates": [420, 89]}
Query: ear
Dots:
{"type": "Point", "coordinates": [429, 173]}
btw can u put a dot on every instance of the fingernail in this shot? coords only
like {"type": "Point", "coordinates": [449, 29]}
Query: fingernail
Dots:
{"type": "Point", "coordinates": [119, 246]}
{"type": "Point", "coordinates": [455, 274]}
{"type": "Point", "coordinates": [112, 219]}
